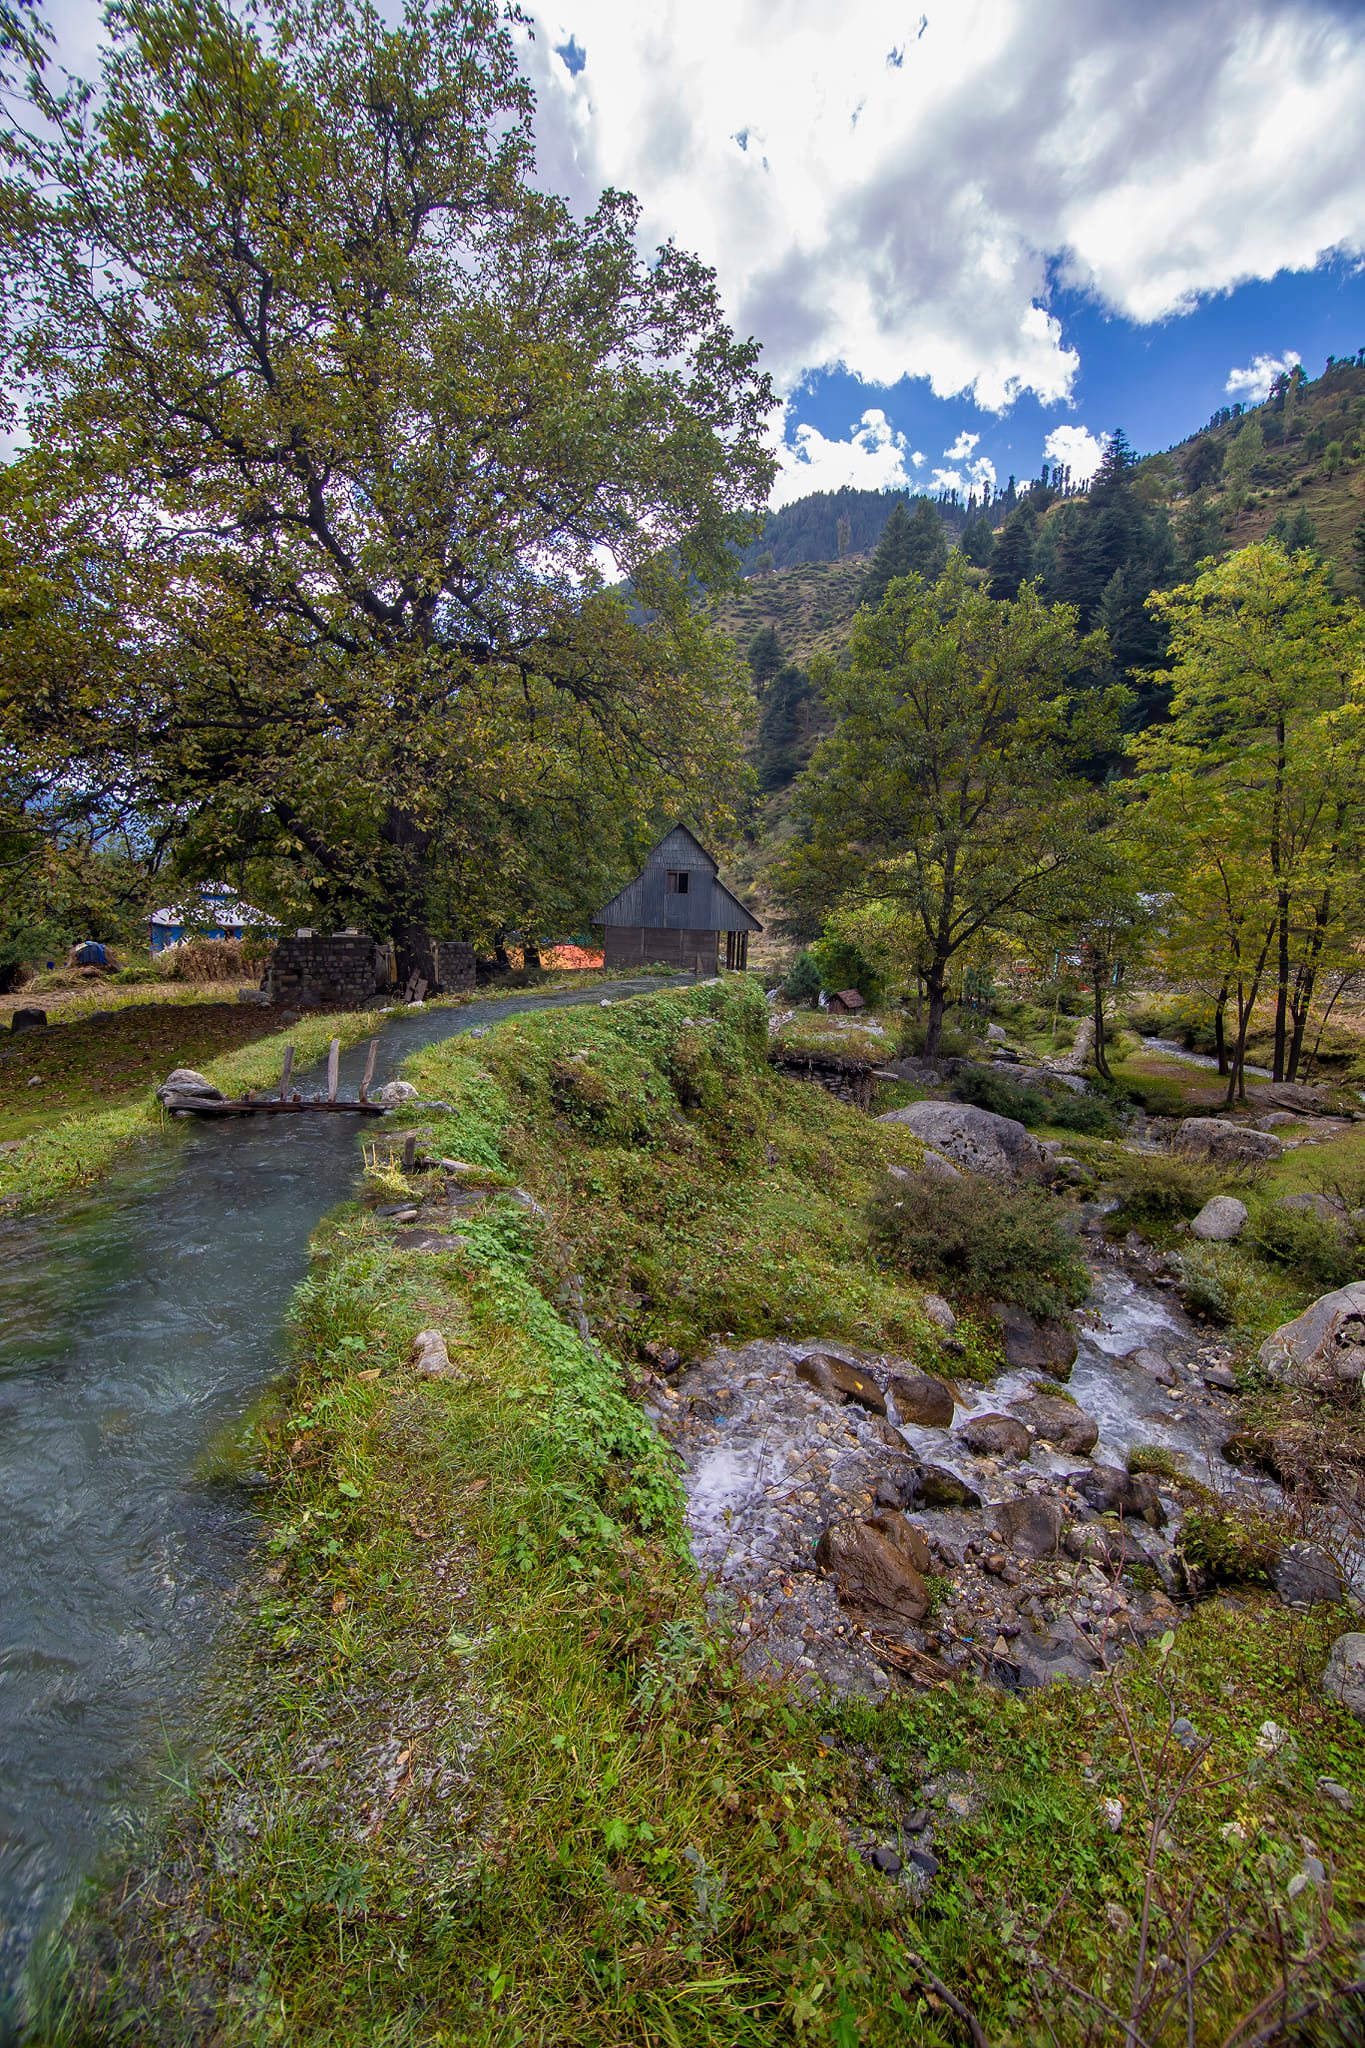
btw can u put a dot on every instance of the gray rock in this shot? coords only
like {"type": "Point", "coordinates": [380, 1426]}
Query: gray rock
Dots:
{"type": "Point", "coordinates": [1221, 1377]}
{"type": "Point", "coordinates": [1185, 1732]}
{"type": "Point", "coordinates": [1153, 1364]}
{"type": "Point", "coordinates": [1303, 1576]}
{"type": "Point", "coordinates": [921, 1398]}
{"type": "Point", "coordinates": [394, 1092]}
{"type": "Point", "coordinates": [996, 1035]}
{"type": "Point", "coordinates": [1329, 1208]}
{"type": "Point", "coordinates": [996, 1436]}
{"type": "Point", "coordinates": [1112, 1491]}
{"type": "Point", "coordinates": [1223, 1143]}
{"type": "Point", "coordinates": [188, 1081]}
{"type": "Point", "coordinates": [29, 1018]}
{"type": "Point", "coordinates": [975, 1138]}
{"type": "Point", "coordinates": [1059, 1422]}
{"type": "Point", "coordinates": [1034, 1344]}
{"type": "Point", "coordinates": [1326, 1344]}
{"type": "Point", "coordinates": [428, 1241]}
{"type": "Point", "coordinates": [1220, 1220]}
{"type": "Point", "coordinates": [1344, 1678]}
{"type": "Point", "coordinates": [1338, 1794]}
{"type": "Point", "coordinates": [878, 1566]}
{"type": "Point", "coordinates": [936, 1487]}
{"type": "Point", "coordinates": [839, 1381]}
{"type": "Point", "coordinates": [938, 1310]}
{"type": "Point", "coordinates": [1030, 1525]}
{"type": "Point", "coordinates": [1055, 1659]}
{"type": "Point", "coordinates": [254, 998]}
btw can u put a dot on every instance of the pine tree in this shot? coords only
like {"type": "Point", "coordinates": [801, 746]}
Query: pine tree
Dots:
{"type": "Point", "coordinates": [927, 544]}
{"type": "Point", "coordinates": [765, 657]}
{"type": "Point", "coordinates": [892, 557]}
{"type": "Point", "coordinates": [1013, 561]}
{"type": "Point", "coordinates": [978, 543]}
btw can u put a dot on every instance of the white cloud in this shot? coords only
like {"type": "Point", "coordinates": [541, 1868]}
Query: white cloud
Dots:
{"type": "Point", "coordinates": [1081, 451]}
{"type": "Point", "coordinates": [961, 448]}
{"type": "Point", "coordinates": [907, 218]}
{"type": "Point", "coordinates": [875, 457]}
{"type": "Point", "coordinates": [1253, 383]}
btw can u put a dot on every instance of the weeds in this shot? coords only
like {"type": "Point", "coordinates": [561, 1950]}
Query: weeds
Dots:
{"type": "Point", "coordinates": [980, 1242]}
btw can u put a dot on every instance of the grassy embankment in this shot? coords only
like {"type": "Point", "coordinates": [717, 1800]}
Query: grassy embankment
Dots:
{"type": "Point", "coordinates": [488, 1774]}
{"type": "Point", "coordinates": [95, 1079]}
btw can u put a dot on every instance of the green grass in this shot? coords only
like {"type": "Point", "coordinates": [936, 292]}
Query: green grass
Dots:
{"type": "Point", "coordinates": [78, 1147]}
{"type": "Point", "coordinates": [482, 1771]}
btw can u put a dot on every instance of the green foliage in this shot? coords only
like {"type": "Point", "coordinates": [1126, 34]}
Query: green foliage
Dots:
{"type": "Point", "coordinates": [1158, 1094]}
{"type": "Point", "coordinates": [989, 1089]}
{"type": "Point", "coordinates": [980, 1242]}
{"type": "Point", "coordinates": [844, 964]}
{"type": "Point", "coordinates": [1227, 1546]}
{"type": "Point", "coordinates": [1161, 1187]}
{"type": "Point", "coordinates": [803, 983]}
{"type": "Point", "coordinates": [1316, 1249]}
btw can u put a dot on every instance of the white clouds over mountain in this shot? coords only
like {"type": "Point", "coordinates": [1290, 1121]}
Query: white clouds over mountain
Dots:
{"type": "Point", "coordinates": [1077, 448]}
{"type": "Point", "coordinates": [898, 203]}
{"type": "Point", "coordinates": [1253, 383]}
{"type": "Point", "coordinates": [873, 458]}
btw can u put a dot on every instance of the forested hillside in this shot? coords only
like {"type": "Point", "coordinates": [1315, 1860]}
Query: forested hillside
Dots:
{"type": "Point", "coordinates": [827, 525]}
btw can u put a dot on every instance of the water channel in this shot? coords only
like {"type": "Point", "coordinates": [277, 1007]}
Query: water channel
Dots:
{"type": "Point", "coordinates": [135, 1324]}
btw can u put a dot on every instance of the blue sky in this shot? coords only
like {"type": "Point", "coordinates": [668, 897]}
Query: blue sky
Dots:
{"type": "Point", "coordinates": [973, 232]}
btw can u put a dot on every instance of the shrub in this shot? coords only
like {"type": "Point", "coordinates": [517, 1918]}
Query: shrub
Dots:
{"type": "Point", "coordinates": [954, 1042]}
{"type": "Point", "coordinates": [802, 984]}
{"type": "Point", "coordinates": [1156, 1187]}
{"type": "Point", "coordinates": [981, 1241]}
{"type": "Point", "coordinates": [844, 965]}
{"type": "Point", "coordinates": [1316, 1249]}
{"type": "Point", "coordinates": [1225, 1546]}
{"type": "Point", "coordinates": [1155, 1093]}
{"type": "Point", "coordinates": [988, 1088]}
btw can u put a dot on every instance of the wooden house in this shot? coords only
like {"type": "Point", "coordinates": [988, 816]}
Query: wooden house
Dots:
{"type": "Point", "coordinates": [676, 911]}
{"type": "Point", "coordinates": [846, 1004]}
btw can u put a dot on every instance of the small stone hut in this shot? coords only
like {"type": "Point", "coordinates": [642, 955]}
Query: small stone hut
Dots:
{"type": "Point", "coordinates": [676, 911]}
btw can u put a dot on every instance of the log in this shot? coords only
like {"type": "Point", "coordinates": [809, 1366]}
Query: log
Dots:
{"type": "Point", "coordinates": [369, 1070]}
{"type": "Point", "coordinates": [247, 1105]}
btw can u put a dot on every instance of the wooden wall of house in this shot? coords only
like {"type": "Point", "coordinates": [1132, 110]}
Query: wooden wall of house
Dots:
{"type": "Point", "coordinates": [630, 946]}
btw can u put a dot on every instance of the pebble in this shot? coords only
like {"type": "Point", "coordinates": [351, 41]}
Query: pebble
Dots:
{"type": "Point", "coordinates": [1185, 1732]}
{"type": "Point", "coordinates": [885, 1859]}
{"type": "Point", "coordinates": [1338, 1794]}
{"type": "Point", "coordinates": [924, 1862]}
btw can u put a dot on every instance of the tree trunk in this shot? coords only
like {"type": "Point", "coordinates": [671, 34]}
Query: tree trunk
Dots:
{"type": "Point", "coordinates": [937, 982]}
{"type": "Point", "coordinates": [1100, 1054]}
{"type": "Point", "coordinates": [1220, 1039]}
{"type": "Point", "coordinates": [1281, 984]}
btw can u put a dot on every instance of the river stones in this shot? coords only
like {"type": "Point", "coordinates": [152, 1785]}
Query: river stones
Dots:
{"type": "Point", "coordinates": [839, 1381]}
{"type": "Point", "coordinates": [1033, 1343]}
{"type": "Point", "coordinates": [1344, 1678]}
{"type": "Point", "coordinates": [878, 1566]}
{"type": "Point", "coordinates": [1112, 1491]}
{"type": "Point", "coordinates": [996, 1436]}
{"type": "Point", "coordinates": [939, 1313]}
{"type": "Point", "coordinates": [394, 1092]}
{"type": "Point", "coordinates": [975, 1138]}
{"type": "Point", "coordinates": [29, 1018]}
{"type": "Point", "coordinates": [1223, 1143]}
{"type": "Point", "coordinates": [188, 1081]}
{"type": "Point", "coordinates": [1031, 1525]}
{"type": "Point", "coordinates": [1153, 1364]}
{"type": "Point", "coordinates": [1059, 1422]}
{"type": "Point", "coordinates": [1220, 1220]}
{"type": "Point", "coordinates": [936, 1487]}
{"type": "Point", "coordinates": [921, 1398]}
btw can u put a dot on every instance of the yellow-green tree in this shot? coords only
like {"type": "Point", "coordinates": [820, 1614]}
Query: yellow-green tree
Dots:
{"type": "Point", "coordinates": [1254, 792]}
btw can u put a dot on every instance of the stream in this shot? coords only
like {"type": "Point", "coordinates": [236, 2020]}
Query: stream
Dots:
{"type": "Point", "coordinates": [136, 1323]}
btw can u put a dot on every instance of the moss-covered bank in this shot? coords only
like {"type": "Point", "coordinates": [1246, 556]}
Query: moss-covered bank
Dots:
{"type": "Point", "coordinates": [484, 1772]}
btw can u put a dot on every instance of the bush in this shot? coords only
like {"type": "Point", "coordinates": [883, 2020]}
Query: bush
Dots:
{"type": "Point", "coordinates": [843, 965]}
{"type": "Point", "coordinates": [1157, 1187]}
{"type": "Point", "coordinates": [983, 1243]}
{"type": "Point", "coordinates": [1329, 1254]}
{"type": "Point", "coordinates": [1222, 1546]}
{"type": "Point", "coordinates": [802, 984]}
{"type": "Point", "coordinates": [954, 1042]}
{"type": "Point", "coordinates": [1155, 1093]}
{"type": "Point", "coordinates": [988, 1088]}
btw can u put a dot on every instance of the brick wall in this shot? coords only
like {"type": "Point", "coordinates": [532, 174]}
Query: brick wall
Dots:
{"type": "Point", "coordinates": [343, 971]}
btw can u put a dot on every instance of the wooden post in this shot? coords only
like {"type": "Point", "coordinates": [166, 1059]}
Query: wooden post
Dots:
{"type": "Point", "coordinates": [369, 1070]}
{"type": "Point", "coordinates": [333, 1061]}
{"type": "Point", "coordinates": [286, 1073]}
{"type": "Point", "coordinates": [410, 1152]}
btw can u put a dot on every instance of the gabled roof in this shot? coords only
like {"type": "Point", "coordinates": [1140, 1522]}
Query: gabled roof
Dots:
{"type": "Point", "coordinates": [710, 906]}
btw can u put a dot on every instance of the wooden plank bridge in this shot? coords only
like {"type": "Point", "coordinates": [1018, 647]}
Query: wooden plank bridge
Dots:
{"type": "Point", "coordinates": [286, 1100]}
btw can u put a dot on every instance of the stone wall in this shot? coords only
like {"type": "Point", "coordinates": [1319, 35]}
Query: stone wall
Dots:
{"type": "Point", "coordinates": [850, 1081]}
{"type": "Point", "coordinates": [340, 971]}
{"type": "Point", "coordinates": [446, 965]}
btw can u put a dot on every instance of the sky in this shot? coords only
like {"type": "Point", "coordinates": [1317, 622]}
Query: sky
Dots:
{"type": "Point", "coordinates": [975, 235]}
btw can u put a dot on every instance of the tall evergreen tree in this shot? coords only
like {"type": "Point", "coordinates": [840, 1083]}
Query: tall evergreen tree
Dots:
{"type": "Point", "coordinates": [765, 657]}
{"type": "Point", "coordinates": [926, 542]}
{"type": "Point", "coordinates": [978, 542]}
{"type": "Point", "coordinates": [1013, 562]}
{"type": "Point", "coordinates": [892, 557]}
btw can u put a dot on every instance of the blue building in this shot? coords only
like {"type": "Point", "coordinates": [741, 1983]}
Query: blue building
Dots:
{"type": "Point", "coordinates": [215, 913]}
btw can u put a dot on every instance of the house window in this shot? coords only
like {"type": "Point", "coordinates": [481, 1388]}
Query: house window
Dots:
{"type": "Point", "coordinates": [677, 882]}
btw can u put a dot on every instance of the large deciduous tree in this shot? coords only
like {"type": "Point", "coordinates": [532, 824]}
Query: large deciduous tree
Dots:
{"type": "Point", "coordinates": [340, 428]}
{"type": "Point", "coordinates": [947, 790]}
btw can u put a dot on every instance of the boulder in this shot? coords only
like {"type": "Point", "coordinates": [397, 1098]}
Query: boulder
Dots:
{"type": "Point", "coordinates": [878, 1566]}
{"type": "Point", "coordinates": [1326, 1344]}
{"type": "Point", "coordinates": [1223, 1143]}
{"type": "Point", "coordinates": [187, 1081]}
{"type": "Point", "coordinates": [1327, 1208]}
{"type": "Point", "coordinates": [921, 1398]}
{"type": "Point", "coordinates": [1344, 1678]}
{"type": "Point", "coordinates": [1031, 1525]}
{"type": "Point", "coordinates": [1305, 1576]}
{"type": "Point", "coordinates": [974, 1138]}
{"type": "Point", "coordinates": [254, 998]}
{"type": "Point", "coordinates": [1034, 1344]}
{"type": "Point", "coordinates": [1153, 1364]}
{"type": "Point", "coordinates": [394, 1092]}
{"type": "Point", "coordinates": [839, 1381]}
{"type": "Point", "coordinates": [1058, 1421]}
{"type": "Point", "coordinates": [937, 1487]}
{"type": "Point", "coordinates": [996, 1436]}
{"type": "Point", "coordinates": [1220, 1220]}
{"type": "Point", "coordinates": [29, 1018]}
{"type": "Point", "coordinates": [938, 1311]}
{"type": "Point", "coordinates": [996, 1035]}
{"type": "Point", "coordinates": [1093, 1543]}
{"type": "Point", "coordinates": [1112, 1491]}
